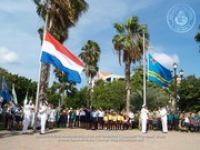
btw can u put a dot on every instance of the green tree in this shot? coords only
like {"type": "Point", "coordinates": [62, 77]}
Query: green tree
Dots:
{"type": "Point", "coordinates": [63, 85]}
{"type": "Point", "coordinates": [90, 54]}
{"type": "Point", "coordinates": [62, 14]}
{"type": "Point", "coordinates": [137, 79]}
{"type": "Point", "coordinates": [109, 95]}
{"type": "Point", "coordinates": [189, 92]}
{"type": "Point", "coordinates": [156, 97]}
{"type": "Point", "coordinates": [22, 85]}
{"type": "Point", "coordinates": [128, 45]}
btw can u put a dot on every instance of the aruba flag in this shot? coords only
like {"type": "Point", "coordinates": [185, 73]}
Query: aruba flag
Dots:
{"type": "Point", "coordinates": [53, 52]}
{"type": "Point", "coordinates": [158, 74]}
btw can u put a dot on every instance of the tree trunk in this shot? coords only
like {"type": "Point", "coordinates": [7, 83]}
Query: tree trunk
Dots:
{"type": "Point", "coordinates": [128, 86]}
{"type": "Point", "coordinates": [44, 80]}
{"type": "Point", "coordinates": [173, 104]}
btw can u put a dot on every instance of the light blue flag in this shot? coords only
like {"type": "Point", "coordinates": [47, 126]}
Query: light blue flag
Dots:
{"type": "Point", "coordinates": [5, 91]}
{"type": "Point", "coordinates": [158, 74]}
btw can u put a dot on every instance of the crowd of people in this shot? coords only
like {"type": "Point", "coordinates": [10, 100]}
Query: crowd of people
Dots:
{"type": "Point", "coordinates": [22, 118]}
{"type": "Point", "coordinates": [95, 119]}
{"type": "Point", "coordinates": [168, 120]}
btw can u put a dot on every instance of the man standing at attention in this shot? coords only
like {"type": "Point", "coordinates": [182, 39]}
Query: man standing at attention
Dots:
{"type": "Point", "coordinates": [43, 115]}
{"type": "Point", "coordinates": [144, 117]}
{"type": "Point", "coordinates": [27, 116]}
{"type": "Point", "coordinates": [163, 115]}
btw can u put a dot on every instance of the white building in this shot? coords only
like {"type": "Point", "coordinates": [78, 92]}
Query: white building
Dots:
{"type": "Point", "coordinates": [107, 77]}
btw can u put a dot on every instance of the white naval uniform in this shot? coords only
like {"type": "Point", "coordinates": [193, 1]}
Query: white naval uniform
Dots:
{"type": "Point", "coordinates": [163, 115]}
{"type": "Point", "coordinates": [27, 117]}
{"type": "Point", "coordinates": [43, 117]}
{"type": "Point", "coordinates": [144, 118]}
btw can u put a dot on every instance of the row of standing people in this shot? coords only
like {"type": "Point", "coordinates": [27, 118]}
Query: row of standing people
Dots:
{"type": "Point", "coordinates": [24, 116]}
{"type": "Point", "coordinates": [144, 117]}
{"type": "Point", "coordinates": [183, 121]}
{"type": "Point", "coordinates": [96, 119]}
{"type": "Point", "coordinates": [108, 119]}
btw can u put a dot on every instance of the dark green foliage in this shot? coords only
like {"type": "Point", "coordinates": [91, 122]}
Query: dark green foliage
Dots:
{"type": "Point", "coordinates": [62, 15]}
{"type": "Point", "coordinates": [189, 92]}
{"type": "Point", "coordinates": [109, 95]}
{"type": "Point", "coordinates": [22, 85]}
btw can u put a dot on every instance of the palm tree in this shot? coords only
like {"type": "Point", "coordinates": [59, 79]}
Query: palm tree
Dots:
{"type": "Point", "coordinates": [90, 55]}
{"type": "Point", "coordinates": [62, 85]}
{"type": "Point", "coordinates": [63, 14]}
{"type": "Point", "coordinates": [156, 97]}
{"type": "Point", "coordinates": [59, 16]}
{"type": "Point", "coordinates": [128, 45]}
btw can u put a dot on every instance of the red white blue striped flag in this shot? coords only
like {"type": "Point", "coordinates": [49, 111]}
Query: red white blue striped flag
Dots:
{"type": "Point", "coordinates": [53, 52]}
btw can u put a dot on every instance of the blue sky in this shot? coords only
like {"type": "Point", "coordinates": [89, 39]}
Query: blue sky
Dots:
{"type": "Point", "coordinates": [20, 43]}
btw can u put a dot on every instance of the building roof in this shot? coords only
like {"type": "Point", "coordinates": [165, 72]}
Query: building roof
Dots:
{"type": "Point", "coordinates": [104, 75]}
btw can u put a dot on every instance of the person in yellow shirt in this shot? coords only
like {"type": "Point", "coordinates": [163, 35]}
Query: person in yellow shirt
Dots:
{"type": "Point", "coordinates": [109, 120]}
{"type": "Point", "coordinates": [114, 121]}
{"type": "Point", "coordinates": [105, 120]}
{"type": "Point", "coordinates": [118, 121]}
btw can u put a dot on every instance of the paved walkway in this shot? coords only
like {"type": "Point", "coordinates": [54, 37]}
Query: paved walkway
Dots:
{"type": "Point", "coordinates": [80, 139]}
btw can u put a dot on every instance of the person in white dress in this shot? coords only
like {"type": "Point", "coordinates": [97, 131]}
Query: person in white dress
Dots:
{"type": "Point", "coordinates": [32, 113]}
{"type": "Point", "coordinates": [131, 119]}
{"type": "Point", "coordinates": [144, 118]}
{"type": "Point", "coordinates": [52, 116]}
{"type": "Point", "coordinates": [163, 115]}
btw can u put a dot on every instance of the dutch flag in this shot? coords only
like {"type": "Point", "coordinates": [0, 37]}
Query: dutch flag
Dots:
{"type": "Point", "coordinates": [53, 52]}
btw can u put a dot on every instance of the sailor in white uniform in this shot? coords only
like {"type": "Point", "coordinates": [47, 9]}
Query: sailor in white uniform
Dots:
{"type": "Point", "coordinates": [163, 115]}
{"type": "Point", "coordinates": [32, 113]}
{"type": "Point", "coordinates": [43, 115]}
{"type": "Point", "coordinates": [27, 116]}
{"type": "Point", "coordinates": [144, 118]}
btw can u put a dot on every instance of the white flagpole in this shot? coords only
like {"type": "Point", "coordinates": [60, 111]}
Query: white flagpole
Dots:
{"type": "Point", "coordinates": [144, 70]}
{"type": "Point", "coordinates": [38, 86]}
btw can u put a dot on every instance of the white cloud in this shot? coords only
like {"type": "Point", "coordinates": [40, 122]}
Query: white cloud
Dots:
{"type": "Point", "coordinates": [166, 60]}
{"type": "Point", "coordinates": [7, 56]}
